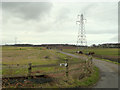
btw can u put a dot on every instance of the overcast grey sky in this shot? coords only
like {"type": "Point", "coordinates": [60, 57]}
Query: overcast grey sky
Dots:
{"type": "Point", "coordinates": [52, 22]}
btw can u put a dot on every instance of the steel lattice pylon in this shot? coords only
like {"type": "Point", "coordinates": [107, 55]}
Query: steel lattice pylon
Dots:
{"type": "Point", "coordinates": [81, 39]}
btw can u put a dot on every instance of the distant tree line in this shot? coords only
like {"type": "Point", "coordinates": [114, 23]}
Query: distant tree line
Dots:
{"type": "Point", "coordinates": [106, 45]}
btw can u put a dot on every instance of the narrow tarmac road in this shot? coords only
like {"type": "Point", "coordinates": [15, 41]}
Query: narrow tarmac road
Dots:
{"type": "Point", "coordinates": [109, 72]}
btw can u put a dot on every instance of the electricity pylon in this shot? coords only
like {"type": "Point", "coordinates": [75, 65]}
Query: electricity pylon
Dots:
{"type": "Point", "coordinates": [81, 39]}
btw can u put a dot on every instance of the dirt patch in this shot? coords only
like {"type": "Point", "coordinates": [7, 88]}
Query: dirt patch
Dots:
{"type": "Point", "coordinates": [26, 81]}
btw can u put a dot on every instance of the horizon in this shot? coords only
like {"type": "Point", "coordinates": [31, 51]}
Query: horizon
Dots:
{"type": "Point", "coordinates": [56, 43]}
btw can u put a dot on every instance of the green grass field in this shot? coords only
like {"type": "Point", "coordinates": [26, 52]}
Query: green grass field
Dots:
{"type": "Point", "coordinates": [98, 51]}
{"type": "Point", "coordinates": [111, 54]}
{"type": "Point", "coordinates": [22, 56]}
{"type": "Point", "coordinates": [15, 60]}
{"type": "Point", "coordinates": [34, 55]}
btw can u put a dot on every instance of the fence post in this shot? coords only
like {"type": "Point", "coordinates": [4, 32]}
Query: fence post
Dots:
{"type": "Point", "coordinates": [91, 59]}
{"type": "Point", "coordinates": [66, 60]}
{"type": "Point", "coordinates": [29, 69]}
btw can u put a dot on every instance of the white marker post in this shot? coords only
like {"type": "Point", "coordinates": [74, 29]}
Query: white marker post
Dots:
{"type": "Point", "coordinates": [66, 65]}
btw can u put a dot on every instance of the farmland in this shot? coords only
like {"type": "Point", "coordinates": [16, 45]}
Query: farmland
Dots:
{"type": "Point", "coordinates": [36, 56]}
{"type": "Point", "coordinates": [15, 62]}
{"type": "Point", "coordinates": [103, 53]}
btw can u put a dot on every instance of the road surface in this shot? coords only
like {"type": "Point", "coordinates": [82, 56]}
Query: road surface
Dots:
{"type": "Point", "coordinates": [109, 72]}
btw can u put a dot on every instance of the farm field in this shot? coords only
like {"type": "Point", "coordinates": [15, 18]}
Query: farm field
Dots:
{"type": "Point", "coordinates": [13, 56]}
{"type": "Point", "coordinates": [15, 62]}
{"type": "Point", "coordinates": [112, 54]}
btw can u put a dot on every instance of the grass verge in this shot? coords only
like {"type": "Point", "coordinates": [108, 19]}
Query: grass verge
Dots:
{"type": "Point", "coordinates": [86, 82]}
{"type": "Point", "coordinates": [89, 81]}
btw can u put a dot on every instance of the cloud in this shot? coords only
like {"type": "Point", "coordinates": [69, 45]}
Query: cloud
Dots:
{"type": "Point", "coordinates": [45, 22]}
{"type": "Point", "coordinates": [114, 38]}
{"type": "Point", "coordinates": [62, 15]}
{"type": "Point", "coordinates": [25, 17]}
{"type": "Point", "coordinates": [27, 10]}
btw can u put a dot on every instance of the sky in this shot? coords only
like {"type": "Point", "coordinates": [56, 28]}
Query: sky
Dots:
{"type": "Point", "coordinates": [55, 23]}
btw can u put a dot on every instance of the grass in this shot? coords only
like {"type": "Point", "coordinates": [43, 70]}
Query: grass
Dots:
{"type": "Point", "coordinates": [34, 55]}
{"type": "Point", "coordinates": [91, 80]}
{"type": "Point", "coordinates": [14, 72]}
{"type": "Point", "coordinates": [70, 82]}
{"type": "Point", "coordinates": [85, 82]}
{"type": "Point", "coordinates": [104, 51]}
{"type": "Point", "coordinates": [111, 54]}
{"type": "Point", "coordinates": [42, 56]}
{"type": "Point", "coordinates": [28, 54]}
{"type": "Point", "coordinates": [98, 51]}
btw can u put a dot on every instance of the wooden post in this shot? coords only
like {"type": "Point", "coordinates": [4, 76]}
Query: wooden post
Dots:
{"type": "Point", "coordinates": [66, 67]}
{"type": "Point", "coordinates": [91, 59]}
{"type": "Point", "coordinates": [29, 69]}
